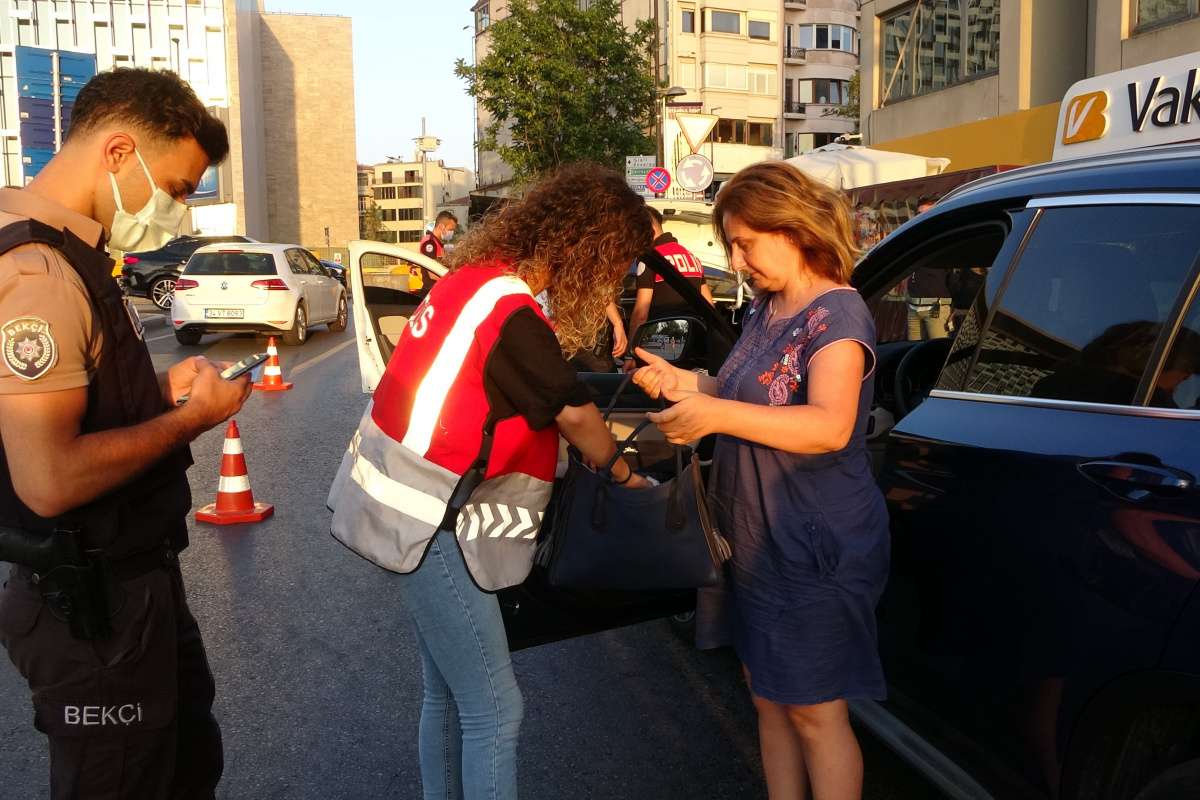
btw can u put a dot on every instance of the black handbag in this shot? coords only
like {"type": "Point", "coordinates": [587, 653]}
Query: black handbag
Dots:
{"type": "Point", "coordinates": [607, 536]}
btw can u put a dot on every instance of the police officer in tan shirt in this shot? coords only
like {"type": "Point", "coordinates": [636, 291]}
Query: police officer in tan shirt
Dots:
{"type": "Point", "coordinates": [95, 450]}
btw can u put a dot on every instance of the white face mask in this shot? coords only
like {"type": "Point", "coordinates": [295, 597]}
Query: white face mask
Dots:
{"type": "Point", "coordinates": [149, 229]}
{"type": "Point", "coordinates": [447, 236]}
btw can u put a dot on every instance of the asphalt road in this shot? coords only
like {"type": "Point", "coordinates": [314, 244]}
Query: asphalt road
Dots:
{"type": "Point", "coordinates": [318, 681]}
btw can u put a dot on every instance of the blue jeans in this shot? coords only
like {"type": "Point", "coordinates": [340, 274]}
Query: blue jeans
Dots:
{"type": "Point", "coordinates": [471, 712]}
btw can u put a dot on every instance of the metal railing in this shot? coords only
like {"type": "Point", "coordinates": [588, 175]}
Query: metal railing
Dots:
{"type": "Point", "coordinates": [792, 52]}
{"type": "Point", "coordinates": [792, 107]}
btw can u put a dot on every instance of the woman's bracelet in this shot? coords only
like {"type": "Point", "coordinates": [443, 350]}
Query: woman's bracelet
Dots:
{"type": "Point", "coordinates": [628, 477]}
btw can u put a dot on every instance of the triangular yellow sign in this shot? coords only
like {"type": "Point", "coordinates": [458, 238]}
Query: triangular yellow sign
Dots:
{"type": "Point", "coordinates": [696, 128]}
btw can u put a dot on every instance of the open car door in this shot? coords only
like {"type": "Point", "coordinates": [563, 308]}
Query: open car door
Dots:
{"type": "Point", "coordinates": [389, 282]}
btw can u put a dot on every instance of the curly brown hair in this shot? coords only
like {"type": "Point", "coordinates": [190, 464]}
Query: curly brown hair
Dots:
{"type": "Point", "coordinates": [576, 231]}
{"type": "Point", "coordinates": [775, 197]}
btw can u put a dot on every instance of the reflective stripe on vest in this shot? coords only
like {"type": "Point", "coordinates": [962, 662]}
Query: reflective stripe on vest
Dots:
{"type": "Point", "coordinates": [396, 479]}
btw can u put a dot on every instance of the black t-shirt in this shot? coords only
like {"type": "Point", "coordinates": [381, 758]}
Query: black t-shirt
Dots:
{"type": "Point", "coordinates": [526, 373]}
{"type": "Point", "coordinates": [665, 296]}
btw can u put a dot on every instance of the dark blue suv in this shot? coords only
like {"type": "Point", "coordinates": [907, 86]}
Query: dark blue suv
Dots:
{"type": "Point", "coordinates": [1037, 436]}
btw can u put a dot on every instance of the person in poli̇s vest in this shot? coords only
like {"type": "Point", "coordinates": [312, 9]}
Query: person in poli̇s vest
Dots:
{"type": "Point", "coordinates": [480, 377]}
{"type": "Point", "coordinates": [655, 298]}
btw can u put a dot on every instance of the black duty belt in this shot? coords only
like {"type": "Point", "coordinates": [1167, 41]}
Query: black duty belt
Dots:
{"type": "Point", "coordinates": [124, 569]}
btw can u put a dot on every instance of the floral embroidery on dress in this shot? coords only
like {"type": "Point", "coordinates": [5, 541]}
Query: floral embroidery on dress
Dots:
{"type": "Point", "coordinates": [785, 375]}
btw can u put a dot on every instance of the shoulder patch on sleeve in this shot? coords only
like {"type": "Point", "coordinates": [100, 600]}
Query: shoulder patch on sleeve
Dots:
{"type": "Point", "coordinates": [29, 349]}
{"type": "Point", "coordinates": [641, 268]}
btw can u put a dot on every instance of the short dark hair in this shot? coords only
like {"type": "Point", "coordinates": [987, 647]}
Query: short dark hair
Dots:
{"type": "Point", "coordinates": [445, 215]}
{"type": "Point", "coordinates": [158, 101]}
{"type": "Point", "coordinates": [655, 215]}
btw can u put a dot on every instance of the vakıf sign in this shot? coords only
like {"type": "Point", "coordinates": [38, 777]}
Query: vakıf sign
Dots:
{"type": "Point", "coordinates": [1157, 103]}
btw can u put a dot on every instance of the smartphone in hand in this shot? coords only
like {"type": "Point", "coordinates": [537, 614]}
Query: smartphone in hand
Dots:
{"type": "Point", "coordinates": [234, 371]}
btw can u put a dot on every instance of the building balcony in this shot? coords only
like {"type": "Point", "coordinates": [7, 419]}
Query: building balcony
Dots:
{"type": "Point", "coordinates": [795, 5]}
{"type": "Point", "coordinates": [794, 55]}
{"type": "Point", "coordinates": [794, 110]}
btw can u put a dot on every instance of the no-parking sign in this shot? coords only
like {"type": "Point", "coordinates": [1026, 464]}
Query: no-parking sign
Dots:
{"type": "Point", "coordinates": [658, 180]}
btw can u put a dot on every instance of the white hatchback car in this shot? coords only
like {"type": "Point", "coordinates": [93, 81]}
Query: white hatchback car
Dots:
{"type": "Point", "coordinates": [260, 288]}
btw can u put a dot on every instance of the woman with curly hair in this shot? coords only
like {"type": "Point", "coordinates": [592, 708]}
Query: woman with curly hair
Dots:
{"type": "Point", "coordinates": [451, 469]}
{"type": "Point", "coordinates": [791, 482]}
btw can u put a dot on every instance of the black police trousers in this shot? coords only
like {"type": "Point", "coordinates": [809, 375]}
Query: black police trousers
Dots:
{"type": "Point", "coordinates": [129, 716]}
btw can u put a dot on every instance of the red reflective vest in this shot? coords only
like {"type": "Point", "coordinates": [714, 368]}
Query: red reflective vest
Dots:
{"type": "Point", "coordinates": [424, 429]}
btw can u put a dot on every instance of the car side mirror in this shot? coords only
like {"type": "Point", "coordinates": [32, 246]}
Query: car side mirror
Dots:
{"type": "Point", "coordinates": [675, 339]}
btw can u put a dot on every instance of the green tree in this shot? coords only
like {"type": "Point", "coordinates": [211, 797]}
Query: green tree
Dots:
{"type": "Point", "coordinates": [850, 109]}
{"type": "Point", "coordinates": [371, 224]}
{"type": "Point", "coordinates": [566, 82]}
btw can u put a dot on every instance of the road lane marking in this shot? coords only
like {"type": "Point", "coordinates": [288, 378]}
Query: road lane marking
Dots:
{"type": "Point", "coordinates": [164, 336]}
{"type": "Point", "coordinates": [312, 362]}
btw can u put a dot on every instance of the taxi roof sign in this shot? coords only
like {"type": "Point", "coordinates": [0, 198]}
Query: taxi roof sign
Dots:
{"type": "Point", "coordinates": [1153, 104]}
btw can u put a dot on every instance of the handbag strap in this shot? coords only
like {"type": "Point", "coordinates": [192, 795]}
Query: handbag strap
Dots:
{"type": "Point", "coordinates": [467, 484]}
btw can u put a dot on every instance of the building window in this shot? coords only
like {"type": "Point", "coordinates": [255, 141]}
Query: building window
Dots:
{"type": "Point", "coordinates": [823, 90]}
{"type": "Point", "coordinates": [387, 177]}
{"type": "Point", "coordinates": [1154, 12]}
{"type": "Point", "coordinates": [409, 192]}
{"type": "Point", "coordinates": [726, 22]}
{"type": "Point", "coordinates": [687, 73]}
{"type": "Point", "coordinates": [983, 36]}
{"type": "Point", "coordinates": [798, 143]}
{"type": "Point", "coordinates": [688, 24]}
{"type": "Point", "coordinates": [409, 236]}
{"type": "Point", "coordinates": [759, 30]}
{"type": "Point", "coordinates": [933, 45]}
{"type": "Point", "coordinates": [725, 76]}
{"type": "Point", "coordinates": [483, 18]}
{"type": "Point", "coordinates": [412, 176]}
{"type": "Point", "coordinates": [762, 81]}
{"type": "Point", "coordinates": [828, 37]}
{"type": "Point", "coordinates": [385, 192]}
{"type": "Point", "coordinates": [729, 131]}
{"type": "Point", "coordinates": [760, 134]}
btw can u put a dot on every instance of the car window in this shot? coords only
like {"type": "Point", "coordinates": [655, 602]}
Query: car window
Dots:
{"type": "Point", "coordinates": [388, 271]}
{"type": "Point", "coordinates": [1178, 384]}
{"type": "Point", "coordinates": [296, 262]}
{"type": "Point", "coordinates": [1084, 308]}
{"type": "Point", "coordinates": [933, 295]}
{"type": "Point", "coordinates": [314, 266]}
{"type": "Point", "coordinates": [231, 264]}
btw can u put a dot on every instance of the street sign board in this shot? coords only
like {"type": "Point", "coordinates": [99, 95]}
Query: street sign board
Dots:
{"type": "Point", "coordinates": [696, 127]}
{"type": "Point", "coordinates": [658, 180]}
{"type": "Point", "coordinates": [694, 173]}
{"type": "Point", "coordinates": [337, 257]}
{"type": "Point", "coordinates": [636, 168]}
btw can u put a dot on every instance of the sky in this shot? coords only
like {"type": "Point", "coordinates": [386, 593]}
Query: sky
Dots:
{"type": "Point", "coordinates": [404, 54]}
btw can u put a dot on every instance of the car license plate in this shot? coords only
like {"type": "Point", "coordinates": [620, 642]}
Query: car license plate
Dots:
{"type": "Point", "coordinates": [223, 313]}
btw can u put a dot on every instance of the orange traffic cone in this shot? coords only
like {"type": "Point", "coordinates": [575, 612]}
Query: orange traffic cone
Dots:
{"type": "Point", "coordinates": [235, 502]}
{"type": "Point", "coordinates": [272, 377]}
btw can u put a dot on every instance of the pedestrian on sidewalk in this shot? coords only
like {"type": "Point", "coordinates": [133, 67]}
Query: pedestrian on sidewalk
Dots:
{"type": "Point", "coordinates": [468, 416]}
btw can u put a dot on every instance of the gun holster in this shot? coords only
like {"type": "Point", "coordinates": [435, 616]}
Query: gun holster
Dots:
{"type": "Point", "coordinates": [71, 578]}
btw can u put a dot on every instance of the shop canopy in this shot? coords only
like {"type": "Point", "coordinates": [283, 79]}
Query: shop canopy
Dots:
{"type": "Point", "coordinates": [848, 167]}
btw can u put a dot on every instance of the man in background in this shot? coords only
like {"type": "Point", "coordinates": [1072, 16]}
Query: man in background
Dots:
{"type": "Point", "coordinates": [656, 298]}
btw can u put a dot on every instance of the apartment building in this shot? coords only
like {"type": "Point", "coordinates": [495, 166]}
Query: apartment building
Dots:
{"type": "Point", "coordinates": [409, 194]}
{"type": "Point", "coordinates": [771, 72]}
{"type": "Point", "coordinates": [981, 81]}
{"type": "Point", "coordinates": [820, 57]}
{"type": "Point", "coordinates": [252, 69]}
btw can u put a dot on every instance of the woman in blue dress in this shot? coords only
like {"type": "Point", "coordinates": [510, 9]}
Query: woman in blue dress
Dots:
{"type": "Point", "coordinates": [791, 483]}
